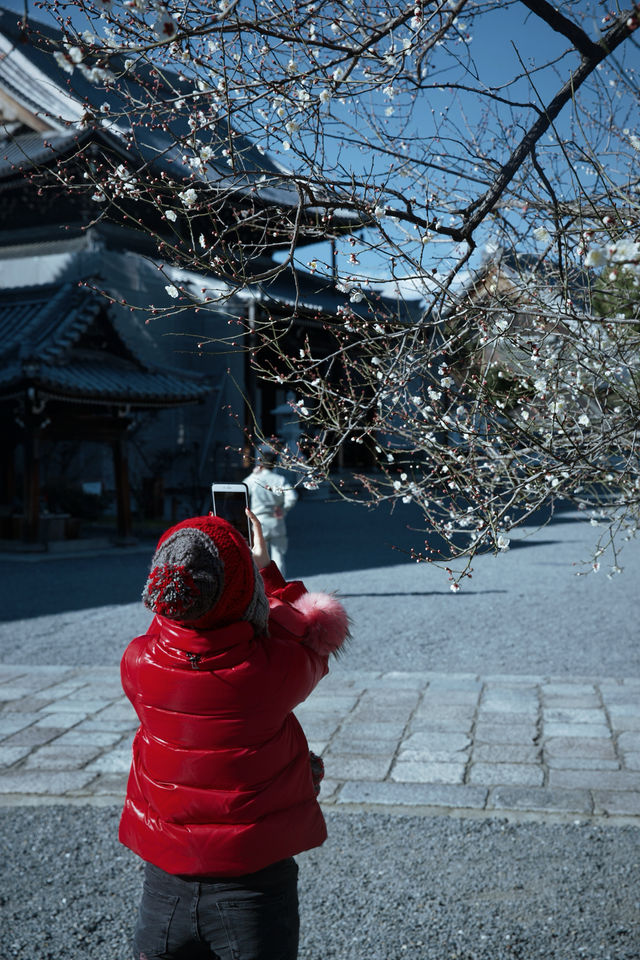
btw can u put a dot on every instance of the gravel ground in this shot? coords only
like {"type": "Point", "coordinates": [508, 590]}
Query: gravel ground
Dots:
{"type": "Point", "coordinates": [524, 612]}
{"type": "Point", "coordinates": [381, 888]}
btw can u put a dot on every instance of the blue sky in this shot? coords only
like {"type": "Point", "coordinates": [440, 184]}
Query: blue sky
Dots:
{"type": "Point", "coordinates": [502, 42]}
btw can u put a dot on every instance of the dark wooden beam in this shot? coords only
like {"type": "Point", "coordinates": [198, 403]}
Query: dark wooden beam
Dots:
{"type": "Point", "coordinates": [31, 481]}
{"type": "Point", "coordinates": [123, 497]}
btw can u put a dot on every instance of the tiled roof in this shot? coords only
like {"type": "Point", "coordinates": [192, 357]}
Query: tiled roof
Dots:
{"type": "Point", "coordinates": [30, 149]}
{"type": "Point", "coordinates": [43, 321]}
{"type": "Point", "coordinates": [30, 74]}
{"type": "Point", "coordinates": [104, 381]}
{"type": "Point", "coordinates": [40, 330]}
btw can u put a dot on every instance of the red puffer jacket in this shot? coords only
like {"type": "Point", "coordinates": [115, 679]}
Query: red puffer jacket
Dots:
{"type": "Point", "coordinates": [220, 783]}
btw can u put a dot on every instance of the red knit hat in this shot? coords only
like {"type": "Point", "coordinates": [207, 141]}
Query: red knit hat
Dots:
{"type": "Point", "coordinates": [203, 575]}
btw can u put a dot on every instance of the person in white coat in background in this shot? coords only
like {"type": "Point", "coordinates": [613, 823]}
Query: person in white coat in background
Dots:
{"type": "Point", "coordinates": [271, 497]}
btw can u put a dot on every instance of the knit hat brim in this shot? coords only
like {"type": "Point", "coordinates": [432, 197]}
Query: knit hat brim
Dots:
{"type": "Point", "coordinates": [203, 575]}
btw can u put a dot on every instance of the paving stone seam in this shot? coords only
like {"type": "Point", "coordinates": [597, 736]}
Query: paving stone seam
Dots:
{"type": "Point", "coordinates": [339, 728]}
{"type": "Point", "coordinates": [538, 740]}
{"type": "Point", "coordinates": [615, 734]}
{"type": "Point", "coordinates": [610, 793]}
{"type": "Point", "coordinates": [406, 729]}
{"type": "Point", "coordinates": [472, 731]}
{"type": "Point", "coordinates": [605, 710]}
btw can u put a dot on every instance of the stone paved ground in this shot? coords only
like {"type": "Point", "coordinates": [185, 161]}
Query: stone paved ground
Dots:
{"type": "Point", "coordinates": [471, 715]}
{"type": "Point", "coordinates": [528, 745]}
{"type": "Point", "coordinates": [519, 694]}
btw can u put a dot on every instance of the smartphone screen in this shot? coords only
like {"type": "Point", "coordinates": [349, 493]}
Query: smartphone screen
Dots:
{"type": "Point", "coordinates": [231, 506]}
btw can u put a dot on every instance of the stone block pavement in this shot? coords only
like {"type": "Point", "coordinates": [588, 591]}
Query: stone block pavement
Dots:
{"type": "Point", "coordinates": [521, 746]}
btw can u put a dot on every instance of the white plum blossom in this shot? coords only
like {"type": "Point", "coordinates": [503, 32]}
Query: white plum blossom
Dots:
{"type": "Point", "coordinates": [625, 251]}
{"type": "Point", "coordinates": [595, 258]}
{"type": "Point", "coordinates": [188, 197]}
{"type": "Point", "coordinates": [63, 61]}
{"type": "Point", "coordinates": [296, 87]}
{"type": "Point", "coordinates": [75, 54]}
{"type": "Point", "coordinates": [345, 286]}
{"type": "Point", "coordinates": [96, 75]}
{"type": "Point", "coordinates": [126, 178]}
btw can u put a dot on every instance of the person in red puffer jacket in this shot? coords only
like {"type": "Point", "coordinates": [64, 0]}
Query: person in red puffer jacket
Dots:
{"type": "Point", "coordinates": [222, 791]}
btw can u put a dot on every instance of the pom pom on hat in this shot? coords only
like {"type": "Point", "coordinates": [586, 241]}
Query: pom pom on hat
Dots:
{"type": "Point", "coordinates": [203, 575]}
{"type": "Point", "coordinates": [172, 590]}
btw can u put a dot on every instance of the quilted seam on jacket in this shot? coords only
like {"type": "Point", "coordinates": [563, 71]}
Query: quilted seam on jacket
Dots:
{"type": "Point", "coordinates": [220, 783]}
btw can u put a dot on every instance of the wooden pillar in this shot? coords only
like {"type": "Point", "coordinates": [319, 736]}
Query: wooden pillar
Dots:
{"type": "Point", "coordinates": [31, 485]}
{"type": "Point", "coordinates": [123, 498]}
{"type": "Point", "coordinates": [8, 489]}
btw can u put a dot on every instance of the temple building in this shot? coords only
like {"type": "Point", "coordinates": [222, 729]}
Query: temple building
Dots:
{"type": "Point", "coordinates": [101, 395]}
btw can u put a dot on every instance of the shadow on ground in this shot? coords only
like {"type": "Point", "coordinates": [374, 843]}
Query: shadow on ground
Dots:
{"type": "Point", "coordinates": [416, 593]}
{"type": "Point", "coordinates": [335, 536]}
{"type": "Point", "coordinates": [324, 537]}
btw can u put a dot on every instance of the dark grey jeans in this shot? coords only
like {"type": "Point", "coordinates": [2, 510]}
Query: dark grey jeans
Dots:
{"type": "Point", "coordinates": [253, 917]}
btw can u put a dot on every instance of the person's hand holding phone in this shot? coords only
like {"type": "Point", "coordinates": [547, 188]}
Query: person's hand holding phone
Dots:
{"type": "Point", "coordinates": [259, 549]}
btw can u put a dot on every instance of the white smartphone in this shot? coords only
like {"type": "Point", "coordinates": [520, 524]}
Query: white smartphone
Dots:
{"type": "Point", "coordinates": [230, 501]}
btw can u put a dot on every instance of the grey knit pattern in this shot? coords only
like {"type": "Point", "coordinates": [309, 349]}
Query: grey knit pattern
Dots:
{"type": "Point", "coordinates": [195, 551]}
{"type": "Point", "coordinates": [258, 609]}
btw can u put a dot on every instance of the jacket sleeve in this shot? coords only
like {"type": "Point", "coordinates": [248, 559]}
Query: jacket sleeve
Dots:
{"type": "Point", "coordinates": [277, 587]}
{"type": "Point", "coordinates": [317, 620]}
